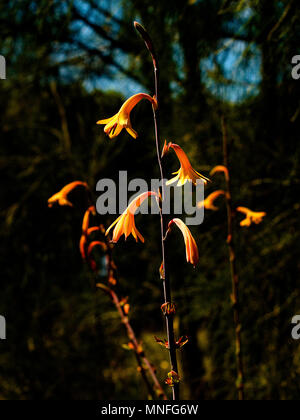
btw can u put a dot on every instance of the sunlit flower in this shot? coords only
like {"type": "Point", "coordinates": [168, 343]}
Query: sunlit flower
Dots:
{"type": "Point", "coordinates": [251, 216]}
{"type": "Point", "coordinates": [186, 171]}
{"type": "Point", "coordinates": [61, 197]}
{"type": "Point", "coordinates": [115, 124]}
{"type": "Point", "coordinates": [209, 202]}
{"type": "Point", "coordinates": [220, 168]}
{"type": "Point", "coordinates": [192, 253]}
{"type": "Point", "coordinates": [125, 224]}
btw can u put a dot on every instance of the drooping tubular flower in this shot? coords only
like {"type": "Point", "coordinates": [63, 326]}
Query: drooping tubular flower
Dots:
{"type": "Point", "coordinates": [92, 230]}
{"type": "Point", "coordinates": [115, 124]}
{"type": "Point", "coordinates": [86, 231]}
{"type": "Point", "coordinates": [125, 224]}
{"type": "Point", "coordinates": [192, 253]}
{"type": "Point", "coordinates": [220, 168]}
{"type": "Point", "coordinates": [82, 246]}
{"type": "Point", "coordinates": [186, 171]}
{"type": "Point", "coordinates": [251, 216]}
{"type": "Point", "coordinates": [62, 196]}
{"type": "Point", "coordinates": [209, 202]}
{"type": "Point", "coordinates": [86, 219]}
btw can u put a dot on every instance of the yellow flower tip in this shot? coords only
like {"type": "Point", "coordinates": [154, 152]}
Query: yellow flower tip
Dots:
{"type": "Point", "coordinates": [132, 132]}
{"type": "Point", "coordinates": [186, 171]}
{"type": "Point", "coordinates": [61, 198]}
{"type": "Point", "coordinates": [125, 224]}
{"type": "Point", "coordinates": [251, 216]}
{"type": "Point", "coordinates": [192, 253]}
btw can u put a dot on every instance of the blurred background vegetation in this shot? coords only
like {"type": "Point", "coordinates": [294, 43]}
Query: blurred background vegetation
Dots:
{"type": "Point", "coordinates": [70, 63]}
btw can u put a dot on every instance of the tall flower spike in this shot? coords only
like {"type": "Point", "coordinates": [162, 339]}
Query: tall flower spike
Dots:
{"type": "Point", "coordinates": [61, 197]}
{"type": "Point", "coordinates": [115, 124]}
{"type": "Point", "coordinates": [251, 216]}
{"type": "Point", "coordinates": [209, 202]}
{"type": "Point", "coordinates": [192, 253]}
{"type": "Point", "coordinates": [125, 224]}
{"type": "Point", "coordinates": [186, 171]}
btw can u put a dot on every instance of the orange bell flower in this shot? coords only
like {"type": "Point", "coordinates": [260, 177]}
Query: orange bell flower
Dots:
{"type": "Point", "coordinates": [209, 202]}
{"type": "Point", "coordinates": [251, 216]}
{"type": "Point", "coordinates": [62, 196]}
{"type": "Point", "coordinates": [115, 124]}
{"type": "Point", "coordinates": [186, 171]}
{"type": "Point", "coordinates": [125, 224]}
{"type": "Point", "coordinates": [192, 253]}
{"type": "Point", "coordinates": [220, 168]}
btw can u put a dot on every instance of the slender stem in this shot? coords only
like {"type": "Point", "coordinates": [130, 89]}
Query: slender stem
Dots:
{"type": "Point", "coordinates": [140, 354]}
{"type": "Point", "coordinates": [234, 272]}
{"type": "Point", "coordinates": [166, 278]}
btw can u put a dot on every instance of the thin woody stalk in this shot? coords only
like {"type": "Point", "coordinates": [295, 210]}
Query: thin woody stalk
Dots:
{"type": "Point", "coordinates": [233, 269]}
{"type": "Point", "coordinates": [140, 354]}
{"type": "Point", "coordinates": [165, 271]}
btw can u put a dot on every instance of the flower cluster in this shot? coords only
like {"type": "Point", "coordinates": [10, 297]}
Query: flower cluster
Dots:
{"type": "Point", "coordinates": [125, 224]}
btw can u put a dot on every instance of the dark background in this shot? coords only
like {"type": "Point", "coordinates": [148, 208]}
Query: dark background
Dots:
{"type": "Point", "coordinates": [70, 63]}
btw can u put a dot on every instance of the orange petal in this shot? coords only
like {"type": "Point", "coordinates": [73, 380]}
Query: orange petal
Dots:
{"type": "Point", "coordinates": [82, 247]}
{"type": "Point", "coordinates": [192, 253]}
{"type": "Point", "coordinates": [220, 168]}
